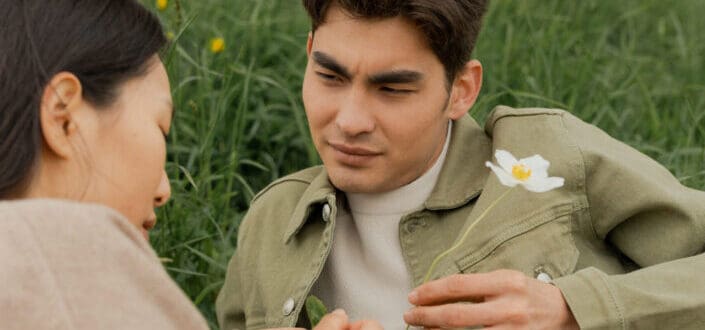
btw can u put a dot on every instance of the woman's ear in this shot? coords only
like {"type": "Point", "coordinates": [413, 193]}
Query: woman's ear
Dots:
{"type": "Point", "coordinates": [465, 90]}
{"type": "Point", "coordinates": [61, 100]}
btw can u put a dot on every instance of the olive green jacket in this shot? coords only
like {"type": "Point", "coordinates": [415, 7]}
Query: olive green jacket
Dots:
{"type": "Point", "coordinates": [621, 239]}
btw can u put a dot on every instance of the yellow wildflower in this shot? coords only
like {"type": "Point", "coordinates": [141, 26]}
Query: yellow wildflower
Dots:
{"type": "Point", "coordinates": [162, 4]}
{"type": "Point", "coordinates": [217, 45]}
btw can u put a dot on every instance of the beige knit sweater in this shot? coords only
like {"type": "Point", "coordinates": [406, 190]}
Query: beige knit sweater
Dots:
{"type": "Point", "coordinates": [66, 265]}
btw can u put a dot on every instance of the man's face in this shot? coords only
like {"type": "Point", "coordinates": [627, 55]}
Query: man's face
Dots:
{"type": "Point", "coordinates": [376, 101]}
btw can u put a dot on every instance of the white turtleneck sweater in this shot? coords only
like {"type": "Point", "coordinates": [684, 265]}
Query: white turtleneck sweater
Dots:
{"type": "Point", "coordinates": [365, 273]}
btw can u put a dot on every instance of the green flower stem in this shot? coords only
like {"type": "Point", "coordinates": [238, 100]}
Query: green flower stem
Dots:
{"type": "Point", "coordinates": [465, 235]}
{"type": "Point", "coordinates": [462, 238]}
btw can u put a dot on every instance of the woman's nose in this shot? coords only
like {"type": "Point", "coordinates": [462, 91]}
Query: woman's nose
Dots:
{"type": "Point", "coordinates": [163, 191]}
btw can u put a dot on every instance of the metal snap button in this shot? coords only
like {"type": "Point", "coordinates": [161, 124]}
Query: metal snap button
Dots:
{"type": "Point", "coordinates": [326, 212]}
{"type": "Point", "coordinates": [544, 277]}
{"type": "Point", "coordinates": [288, 307]}
{"type": "Point", "coordinates": [414, 224]}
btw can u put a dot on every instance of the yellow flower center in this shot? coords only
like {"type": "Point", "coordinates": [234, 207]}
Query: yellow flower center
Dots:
{"type": "Point", "coordinates": [161, 4]}
{"type": "Point", "coordinates": [217, 45]}
{"type": "Point", "coordinates": [521, 172]}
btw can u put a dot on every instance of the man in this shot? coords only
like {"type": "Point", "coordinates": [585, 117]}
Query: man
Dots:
{"type": "Point", "coordinates": [387, 90]}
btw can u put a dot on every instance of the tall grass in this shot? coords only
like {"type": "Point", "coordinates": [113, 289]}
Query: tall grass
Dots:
{"type": "Point", "coordinates": [633, 68]}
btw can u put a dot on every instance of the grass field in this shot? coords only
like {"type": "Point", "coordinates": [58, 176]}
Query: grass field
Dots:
{"type": "Point", "coordinates": [635, 68]}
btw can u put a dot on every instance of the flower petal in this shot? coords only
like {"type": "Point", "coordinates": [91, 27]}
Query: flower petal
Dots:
{"type": "Point", "coordinates": [504, 177]}
{"type": "Point", "coordinates": [538, 166]}
{"type": "Point", "coordinates": [505, 160]}
{"type": "Point", "coordinates": [543, 185]}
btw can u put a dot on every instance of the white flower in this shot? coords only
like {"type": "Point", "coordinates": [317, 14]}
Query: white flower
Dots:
{"type": "Point", "coordinates": [531, 173]}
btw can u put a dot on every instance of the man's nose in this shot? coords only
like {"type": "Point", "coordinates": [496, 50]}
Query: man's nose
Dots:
{"type": "Point", "coordinates": [355, 116]}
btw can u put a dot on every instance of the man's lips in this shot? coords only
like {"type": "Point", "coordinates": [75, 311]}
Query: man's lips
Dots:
{"type": "Point", "coordinates": [353, 150]}
{"type": "Point", "coordinates": [353, 156]}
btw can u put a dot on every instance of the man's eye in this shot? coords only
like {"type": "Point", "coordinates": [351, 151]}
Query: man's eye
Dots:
{"type": "Point", "coordinates": [328, 77]}
{"type": "Point", "coordinates": [391, 90]}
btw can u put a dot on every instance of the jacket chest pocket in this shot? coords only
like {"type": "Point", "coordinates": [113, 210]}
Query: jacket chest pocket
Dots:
{"type": "Point", "coordinates": [540, 245]}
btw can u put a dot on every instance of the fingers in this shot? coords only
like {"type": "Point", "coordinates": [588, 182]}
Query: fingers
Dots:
{"type": "Point", "coordinates": [366, 325]}
{"type": "Point", "coordinates": [455, 315]}
{"type": "Point", "coordinates": [336, 320]}
{"type": "Point", "coordinates": [468, 287]}
{"type": "Point", "coordinates": [508, 299]}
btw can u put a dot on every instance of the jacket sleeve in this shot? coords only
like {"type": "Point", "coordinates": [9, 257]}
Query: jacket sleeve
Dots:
{"type": "Point", "coordinates": [639, 208]}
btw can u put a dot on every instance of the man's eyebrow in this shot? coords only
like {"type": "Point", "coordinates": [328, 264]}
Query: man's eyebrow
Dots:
{"type": "Point", "coordinates": [395, 77]}
{"type": "Point", "coordinates": [331, 64]}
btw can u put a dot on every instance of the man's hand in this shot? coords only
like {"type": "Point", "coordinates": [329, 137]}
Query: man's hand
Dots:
{"type": "Point", "coordinates": [502, 299]}
{"type": "Point", "coordinates": [338, 320]}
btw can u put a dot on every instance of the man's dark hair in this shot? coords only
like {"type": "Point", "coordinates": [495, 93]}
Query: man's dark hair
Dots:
{"type": "Point", "coordinates": [450, 26]}
{"type": "Point", "coordinates": [102, 42]}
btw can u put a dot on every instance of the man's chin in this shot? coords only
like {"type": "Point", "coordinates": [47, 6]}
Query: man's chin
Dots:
{"type": "Point", "coordinates": [351, 180]}
{"type": "Point", "coordinates": [358, 181]}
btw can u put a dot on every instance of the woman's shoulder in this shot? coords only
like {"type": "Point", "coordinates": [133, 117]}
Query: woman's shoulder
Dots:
{"type": "Point", "coordinates": [51, 208]}
{"type": "Point", "coordinates": [54, 220]}
{"type": "Point", "coordinates": [79, 263]}
{"type": "Point", "coordinates": [28, 209]}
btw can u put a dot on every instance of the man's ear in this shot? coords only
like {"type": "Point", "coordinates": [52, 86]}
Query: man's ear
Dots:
{"type": "Point", "coordinates": [61, 100]}
{"type": "Point", "coordinates": [465, 89]}
{"type": "Point", "coordinates": [309, 43]}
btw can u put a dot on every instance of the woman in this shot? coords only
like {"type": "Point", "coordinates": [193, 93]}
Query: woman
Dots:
{"type": "Point", "coordinates": [85, 107]}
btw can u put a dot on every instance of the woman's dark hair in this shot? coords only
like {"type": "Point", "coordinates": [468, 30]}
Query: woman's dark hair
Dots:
{"type": "Point", "coordinates": [451, 27]}
{"type": "Point", "coordinates": [102, 42]}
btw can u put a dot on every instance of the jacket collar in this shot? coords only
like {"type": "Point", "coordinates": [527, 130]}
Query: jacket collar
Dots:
{"type": "Point", "coordinates": [461, 180]}
{"type": "Point", "coordinates": [464, 173]}
{"type": "Point", "coordinates": [319, 191]}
